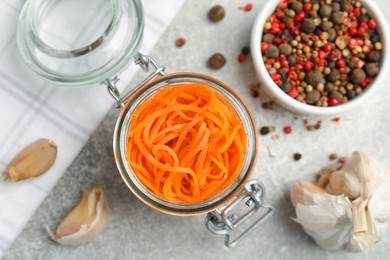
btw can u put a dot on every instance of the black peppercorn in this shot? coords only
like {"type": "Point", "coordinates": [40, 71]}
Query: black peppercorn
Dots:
{"type": "Point", "coordinates": [264, 130]}
{"type": "Point", "coordinates": [297, 156]}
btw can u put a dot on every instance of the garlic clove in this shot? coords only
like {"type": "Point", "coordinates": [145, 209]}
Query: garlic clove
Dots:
{"type": "Point", "coordinates": [301, 191]}
{"type": "Point", "coordinates": [352, 179]}
{"type": "Point", "coordinates": [32, 161]}
{"type": "Point", "coordinates": [85, 221]}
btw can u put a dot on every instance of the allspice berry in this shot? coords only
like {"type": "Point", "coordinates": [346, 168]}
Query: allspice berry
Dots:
{"type": "Point", "coordinates": [337, 95]}
{"type": "Point", "coordinates": [325, 11]}
{"type": "Point", "coordinates": [217, 13]}
{"type": "Point", "coordinates": [297, 6]}
{"type": "Point", "coordinates": [371, 69]}
{"type": "Point", "coordinates": [334, 75]}
{"type": "Point", "coordinates": [374, 56]}
{"type": "Point", "coordinates": [314, 77]}
{"type": "Point", "coordinates": [268, 37]}
{"type": "Point", "coordinates": [272, 51]}
{"type": "Point", "coordinates": [308, 25]}
{"type": "Point", "coordinates": [216, 61]}
{"type": "Point", "coordinates": [313, 97]}
{"type": "Point", "coordinates": [357, 76]}
{"type": "Point", "coordinates": [285, 49]}
{"type": "Point", "coordinates": [337, 17]}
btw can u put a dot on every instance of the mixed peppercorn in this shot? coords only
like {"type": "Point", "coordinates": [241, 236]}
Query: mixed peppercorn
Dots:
{"type": "Point", "coordinates": [321, 52]}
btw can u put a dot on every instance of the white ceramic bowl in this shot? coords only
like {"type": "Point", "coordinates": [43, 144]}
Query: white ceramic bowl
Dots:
{"type": "Point", "coordinates": [277, 95]}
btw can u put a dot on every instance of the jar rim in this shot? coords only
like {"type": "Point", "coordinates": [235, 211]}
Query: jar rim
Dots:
{"type": "Point", "coordinates": [148, 197]}
{"type": "Point", "coordinates": [113, 56]}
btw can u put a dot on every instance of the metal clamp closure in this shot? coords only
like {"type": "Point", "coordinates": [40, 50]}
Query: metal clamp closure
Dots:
{"type": "Point", "coordinates": [144, 61]}
{"type": "Point", "coordinates": [225, 221]}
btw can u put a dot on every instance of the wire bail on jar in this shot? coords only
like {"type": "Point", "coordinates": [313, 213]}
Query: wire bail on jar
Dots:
{"type": "Point", "coordinates": [144, 61]}
{"type": "Point", "coordinates": [224, 222]}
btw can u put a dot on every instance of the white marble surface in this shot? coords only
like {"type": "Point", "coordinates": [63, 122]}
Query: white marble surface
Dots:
{"type": "Point", "coordinates": [135, 231]}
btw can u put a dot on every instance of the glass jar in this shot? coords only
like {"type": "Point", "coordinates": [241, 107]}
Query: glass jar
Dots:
{"type": "Point", "coordinates": [123, 126]}
{"type": "Point", "coordinates": [73, 50]}
{"type": "Point", "coordinates": [95, 40]}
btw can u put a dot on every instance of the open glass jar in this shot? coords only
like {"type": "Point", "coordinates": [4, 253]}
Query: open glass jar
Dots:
{"type": "Point", "coordinates": [104, 42]}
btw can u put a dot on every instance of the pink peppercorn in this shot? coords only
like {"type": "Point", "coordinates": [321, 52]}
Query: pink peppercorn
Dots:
{"type": "Point", "coordinates": [342, 160]}
{"type": "Point", "coordinates": [241, 58]}
{"type": "Point", "coordinates": [277, 40]}
{"type": "Point", "coordinates": [333, 102]}
{"type": "Point", "coordinates": [287, 130]}
{"type": "Point", "coordinates": [321, 55]}
{"type": "Point", "coordinates": [275, 30]}
{"type": "Point", "coordinates": [264, 46]}
{"type": "Point", "coordinates": [352, 43]}
{"type": "Point", "coordinates": [293, 93]}
{"type": "Point", "coordinates": [341, 63]}
{"type": "Point", "coordinates": [246, 8]}
{"type": "Point", "coordinates": [353, 30]}
{"type": "Point", "coordinates": [280, 14]}
{"type": "Point", "coordinates": [299, 17]}
{"type": "Point", "coordinates": [292, 75]}
{"type": "Point", "coordinates": [283, 4]}
{"type": "Point", "coordinates": [284, 63]}
{"type": "Point", "coordinates": [307, 7]}
{"type": "Point", "coordinates": [364, 26]}
{"type": "Point", "coordinates": [309, 65]}
{"type": "Point", "coordinates": [328, 47]}
{"type": "Point", "coordinates": [372, 24]}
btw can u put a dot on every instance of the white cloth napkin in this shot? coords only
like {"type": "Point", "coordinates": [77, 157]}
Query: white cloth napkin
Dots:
{"type": "Point", "coordinates": [31, 108]}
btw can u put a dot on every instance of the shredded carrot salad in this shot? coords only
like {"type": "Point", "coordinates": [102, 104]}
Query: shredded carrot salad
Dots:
{"type": "Point", "coordinates": [186, 143]}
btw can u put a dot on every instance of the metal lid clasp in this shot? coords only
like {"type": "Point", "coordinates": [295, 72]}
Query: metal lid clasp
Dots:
{"type": "Point", "coordinates": [225, 221]}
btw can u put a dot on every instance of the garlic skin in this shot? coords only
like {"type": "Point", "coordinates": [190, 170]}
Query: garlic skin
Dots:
{"type": "Point", "coordinates": [354, 211]}
{"type": "Point", "coordinates": [33, 161]}
{"type": "Point", "coordinates": [85, 221]}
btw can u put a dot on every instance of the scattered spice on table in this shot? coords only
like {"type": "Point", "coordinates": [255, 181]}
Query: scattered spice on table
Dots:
{"type": "Point", "coordinates": [332, 156]}
{"type": "Point", "coordinates": [216, 13]}
{"type": "Point", "coordinates": [244, 53]}
{"type": "Point", "coordinates": [336, 119]}
{"type": "Point", "coordinates": [275, 137]}
{"type": "Point", "coordinates": [241, 58]}
{"type": "Point", "coordinates": [322, 53]}
{"type": "Point", "coordinates": [246, 8]}
{"type": "Point", "coordinates": [254, 89]}
{"type": "Point", "coordinates": [316, 126]}
{"type": "Point", "coordinates": [180, 42]}
{"type": "Point", "coordinates": [342, 160]}
{"type": "Point", "coordinates": [297, 156]}
{"type": "Point", "coordinates": [267, 105]}
{"type": "Point", "coordinates": [264, 130]}
{"type": "Point", "coordinates": [287, 130]}
{"type": "Point", "coordinates": [216, 61]}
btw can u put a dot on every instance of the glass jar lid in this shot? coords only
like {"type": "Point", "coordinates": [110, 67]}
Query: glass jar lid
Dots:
{"type": "Point", "coordinates": [80, 42]}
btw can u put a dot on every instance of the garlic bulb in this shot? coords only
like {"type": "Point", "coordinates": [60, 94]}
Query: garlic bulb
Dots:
{"type": "Point", "coordinates": [34, 160]}
{"type": "Point", "coordinates": [353, 210]}
{"type": "Point", "coordinates": [85, 221]}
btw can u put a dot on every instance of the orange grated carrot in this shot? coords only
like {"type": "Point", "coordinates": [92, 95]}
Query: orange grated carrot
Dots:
{"type": "Point", "coordinates": [186, 143]}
